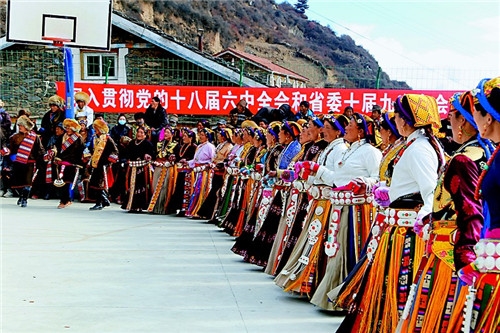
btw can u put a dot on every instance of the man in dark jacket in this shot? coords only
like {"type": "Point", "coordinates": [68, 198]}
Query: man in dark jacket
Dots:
{"type": "Point", "coordinates": [51, 118]}
{"type": "Point", "coordinates": [156, 118]}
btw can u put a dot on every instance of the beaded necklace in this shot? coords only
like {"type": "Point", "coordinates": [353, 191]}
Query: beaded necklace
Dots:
{"type": "Point", "coordinates": [485, 167]}
{"type": "Point", "coordinates": [183, 150]}
{"type": "Point", "coordinates": [345, 154]}
{"type": "Point", "coordinates": [324, 154]}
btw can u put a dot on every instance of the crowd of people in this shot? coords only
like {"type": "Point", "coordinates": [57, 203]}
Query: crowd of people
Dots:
{"type": "Point", "coordinates": [377, 217]}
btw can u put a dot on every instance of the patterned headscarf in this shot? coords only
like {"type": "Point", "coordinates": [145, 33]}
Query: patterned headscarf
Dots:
{"type": "Point", "coordinates": [423, 111]}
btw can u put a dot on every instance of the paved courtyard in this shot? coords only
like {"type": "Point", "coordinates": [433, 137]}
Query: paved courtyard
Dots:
{"type": "Point", "coordinates": [73, 270]}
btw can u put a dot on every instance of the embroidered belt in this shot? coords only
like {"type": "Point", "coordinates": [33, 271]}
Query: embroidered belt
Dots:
{"type": "Point", "coordinates": [232, 171]}
{"type": "Point", "coordinates": [199, 168]}
{"type": "Point", "coordinates": [281, 182]}
{"type": "Point", "coordinates": [320, 192]}
{"type": "Point", "coordinates": [161, 164]}
{"type": "Point", "coordinates": [348, 198]}
{"type": "Point", "coordinates": [401, 217]}
{"type": "Point", "coordinates": [301, 185]}
{"type": "Point", "coordinates": [138, 164]}
{"type": "Point", "coordinates": [488, 255]}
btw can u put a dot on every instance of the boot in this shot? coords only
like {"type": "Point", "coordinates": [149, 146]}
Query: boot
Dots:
{"type": "Point", "coordinates": [98, 204]}
{"type": "Point", "coordinates": [24, 196]}
{"type": "Point", "coordinates": [19, 201]}
{"type": "Point", "coordinates": [105, 199]}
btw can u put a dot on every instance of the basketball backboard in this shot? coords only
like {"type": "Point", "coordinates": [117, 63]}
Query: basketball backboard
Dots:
{"type": "Point", "coordinates": [78, 23]}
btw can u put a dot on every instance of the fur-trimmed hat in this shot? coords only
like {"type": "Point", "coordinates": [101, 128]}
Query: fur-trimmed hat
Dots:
{"type": "Point", "coordinates": [227, 133]}
{"type": "Point", "coordinates": [56, 100]}
{"type": "Point", "coordinates": [249, 123]}
{"type": "Point", "coordinates": [101, 126]}
{"type": "Point", "coordinates": [82, 96]}
{"type": "Point", "coordinates": [302, 122]}
{"type": "Point", "coordinates": [292, 127]}
{"type": "Point", "coordinates": [72, 124]}
{"type": "Point", "coordinates": [25, 122]}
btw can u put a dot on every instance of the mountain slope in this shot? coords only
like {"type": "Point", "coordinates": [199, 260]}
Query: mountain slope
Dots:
{"type": "Point", "coordinates": [269, 30]}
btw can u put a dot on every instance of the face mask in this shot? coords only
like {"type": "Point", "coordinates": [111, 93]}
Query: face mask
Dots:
{"type": "Point", "coordinates": [140, 122]}
{"type": "Point", "coordinates": [122, 122]}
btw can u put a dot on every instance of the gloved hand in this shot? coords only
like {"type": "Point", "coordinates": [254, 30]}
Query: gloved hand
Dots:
{"type": "Point", "coordinates": [351, 186]}
{"type": "Point", "coordinates": [422, 227]}
{"type": "Point", "coordinates": [5, 151]}
{"type": "Point", "coordinates": [288, 175]}
{"type": "Point", "coordinates": [306, 168]}
{"type": "Point", "coordinates": [381, 194]}
{"type": "Point", "coordinates": [259, 167]}
{"type": "Point", "coordinates": [469, 274]}
{"type": "Point", "coordinates": [114, 158]}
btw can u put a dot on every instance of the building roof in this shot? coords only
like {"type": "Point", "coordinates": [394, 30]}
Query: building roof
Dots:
{"type": "Point", "coordinates": [172, 45]}
{"type": "Point", "coordinates": [262, 62]}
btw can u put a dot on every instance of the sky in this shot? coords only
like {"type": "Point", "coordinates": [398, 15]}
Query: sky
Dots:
{"type": "Point", "coordinates": [432, 45]}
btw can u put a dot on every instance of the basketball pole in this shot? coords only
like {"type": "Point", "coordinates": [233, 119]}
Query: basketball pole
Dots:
{"type": "Point", "coordinates": [70, 82]}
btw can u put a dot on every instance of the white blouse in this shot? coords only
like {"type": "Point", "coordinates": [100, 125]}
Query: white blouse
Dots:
{"type": "Point", "coordinates": [327, 160]}
{"type": "Point", "coordinates": [361, 160]}
{"type": "Point", "coordinates": [416, 172]}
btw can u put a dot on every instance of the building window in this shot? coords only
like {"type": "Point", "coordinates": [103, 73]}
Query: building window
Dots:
{"type": "Point", "coordinates": [96, 65]}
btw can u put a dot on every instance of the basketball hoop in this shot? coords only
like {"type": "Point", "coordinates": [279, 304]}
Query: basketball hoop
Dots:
{"type": "Point", "coordinates": [56, 41]}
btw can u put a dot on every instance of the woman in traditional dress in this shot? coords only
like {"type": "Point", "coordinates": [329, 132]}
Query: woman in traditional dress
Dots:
{"type": "Point", "coordinates": [223, 199]}
{"type": "Point", "coordinates": [456, 215]}
{"type": "Point", "coordinates": [203, 157]}
{"type": "Point", "coordinates": [69, 161]}
{"type": "Point", "coordinates": [139, 153]}
{"type": "Point", "coordinates": [180, 198]}
{"type": "Point", "coordinates": [483, 275]}
{"type": "Point", "coordinates": [164, 174]}
{"type": "Point", "coordinates": [26, 151]}
{"type": "Point", "coordinates": [254, 189]}
{"type": "Point", "coordinates": [335, 228]}
{"type": "Point", "coordinates": [291, 222]}
{"type": "Point", "coordinates": [381, 230]}
{"type": "Point", "coordinates": [241, 171]}
{"type": "Point", "coordinates": [264, 192]}
{"type": "Point", "coordinates": [260, 248]}
{"type": "Point", "coordinates": [225, 139]}
{"type": "Point", "coordinates": [409, 198]}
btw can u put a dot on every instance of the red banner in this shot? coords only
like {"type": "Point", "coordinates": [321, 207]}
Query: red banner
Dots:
{"type": "Point", "coordinates": [218, 101]}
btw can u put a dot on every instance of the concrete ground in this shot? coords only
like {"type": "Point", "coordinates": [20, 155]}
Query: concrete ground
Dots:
{"type": "Point", "coordinates": [75, 270]}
